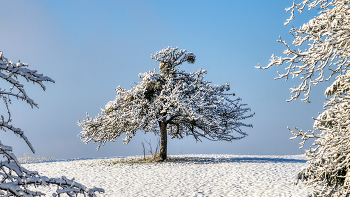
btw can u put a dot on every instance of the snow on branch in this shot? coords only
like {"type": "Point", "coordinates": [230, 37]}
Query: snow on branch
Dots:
{"type": "Point", "coordinates": [4, 125]}
{"type": "Point", "coordinates": [327, 37]}
{"type": "Point", "coordinates": [10, 72]}
{"type": "Point", "coordinates": [14, 179]}
{"type": "Point", "coordinates": [174, 57]}
{"type": "Point", "coordinates": [329, 158]}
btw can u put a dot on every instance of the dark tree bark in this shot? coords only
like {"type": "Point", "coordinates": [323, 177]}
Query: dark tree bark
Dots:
{"type": "Point", "coordinates": [163, 140]}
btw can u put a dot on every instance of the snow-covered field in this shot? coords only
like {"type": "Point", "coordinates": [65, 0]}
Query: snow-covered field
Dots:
{"type": "Point", "coordinates": [199, 175]}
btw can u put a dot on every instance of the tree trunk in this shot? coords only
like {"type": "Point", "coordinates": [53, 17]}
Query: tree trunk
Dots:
{"type": "Point", "coordinates": [163, 140]}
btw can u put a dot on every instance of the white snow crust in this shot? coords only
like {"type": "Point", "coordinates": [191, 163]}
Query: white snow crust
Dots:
{"type": "Point", "coordinates": [199, 175]}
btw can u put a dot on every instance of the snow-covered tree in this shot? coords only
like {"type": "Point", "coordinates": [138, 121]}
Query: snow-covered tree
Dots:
{"type": "Point", "coordinates": [327, 37]}
{"type": "Point", "coordinates": [329, 160]}
{"type": "Point", "coordinates": [170, 102]}
{"type": "Point", "coordinates": [15, 179]}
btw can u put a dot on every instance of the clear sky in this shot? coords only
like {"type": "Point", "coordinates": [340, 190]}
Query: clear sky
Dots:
{"type": "Point", "coordinates": [90, 47]}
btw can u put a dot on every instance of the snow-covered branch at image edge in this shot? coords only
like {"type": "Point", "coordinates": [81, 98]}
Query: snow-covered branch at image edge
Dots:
{"type": "Point", "coordinates": [328, 39]}
{"type": "Point", "coordinates": [15, 179]}
{"type": "Point", "coordinates": [170, 102]}
{"type": "Point", "coordinates": [329, 158]}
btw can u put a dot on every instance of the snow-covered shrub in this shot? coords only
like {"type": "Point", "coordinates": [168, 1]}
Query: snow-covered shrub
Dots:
{"type": "Point", "coordinates": [16, 180]}
{"type": "Point", "coordinates": [28, 158]}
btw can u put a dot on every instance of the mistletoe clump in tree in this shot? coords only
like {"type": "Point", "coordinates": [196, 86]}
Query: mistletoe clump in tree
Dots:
{"type": "Point", "coordinates": [15, 179]}
{"type": "Point", "coordinates": [171, 102]}
{"type": "Point", "coordinates": [328, 39]}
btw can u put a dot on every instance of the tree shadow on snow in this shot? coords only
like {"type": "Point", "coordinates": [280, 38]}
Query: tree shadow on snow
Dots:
{"type": "Point", "coordinates": [209, 160]}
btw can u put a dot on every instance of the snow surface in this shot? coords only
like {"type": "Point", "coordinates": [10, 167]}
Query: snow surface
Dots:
{"type": "Point", "coordinates": [199, 175]}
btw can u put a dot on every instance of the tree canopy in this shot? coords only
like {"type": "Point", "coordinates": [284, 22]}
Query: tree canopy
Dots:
{"type": "Point", "coordinates": [169, 102]}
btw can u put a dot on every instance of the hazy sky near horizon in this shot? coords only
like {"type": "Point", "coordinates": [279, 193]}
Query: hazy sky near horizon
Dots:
{"type": "Point", "coordinates": [90, 47]}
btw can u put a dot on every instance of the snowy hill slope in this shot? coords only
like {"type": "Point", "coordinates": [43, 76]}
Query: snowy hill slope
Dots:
{"type": "Point", "coordinates": [198, 175]}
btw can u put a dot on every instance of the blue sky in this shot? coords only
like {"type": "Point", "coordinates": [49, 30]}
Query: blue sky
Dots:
{"type": "Point", "coordinates": [91, 47]}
